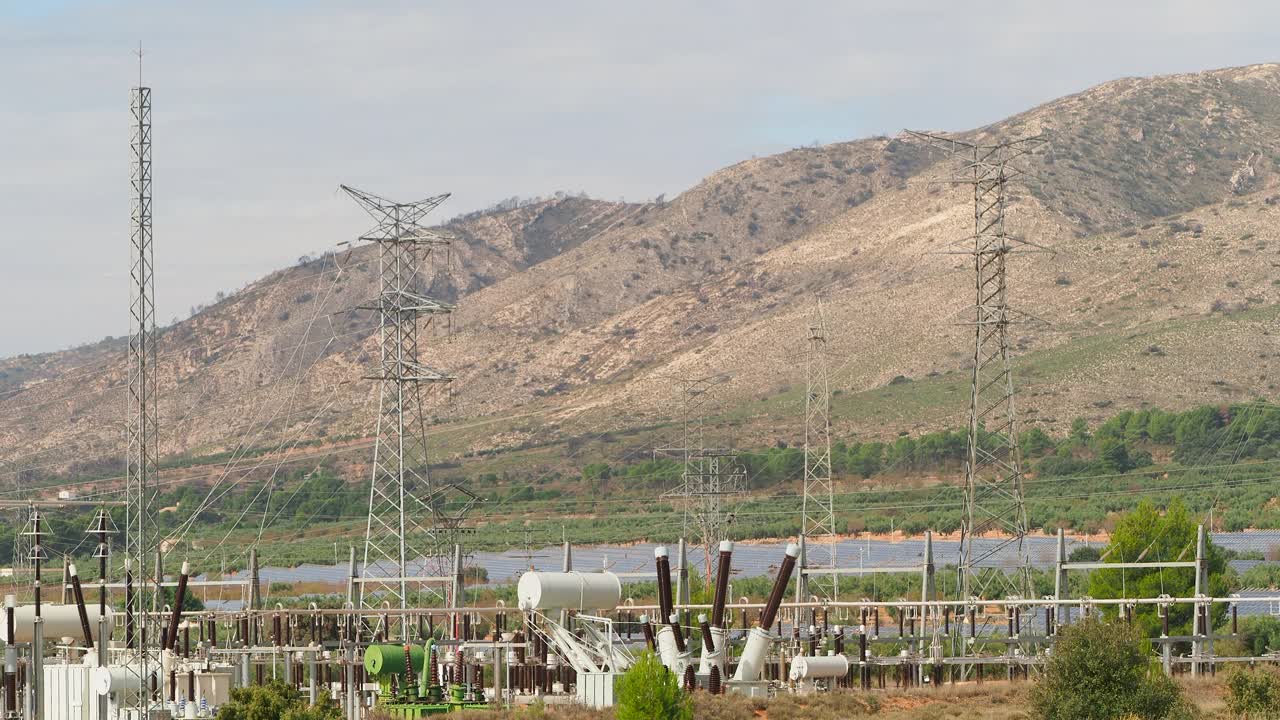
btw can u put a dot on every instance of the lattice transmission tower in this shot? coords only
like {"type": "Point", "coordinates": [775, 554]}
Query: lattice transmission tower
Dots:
{"type": "Point", "coordinates": [412, 524]}
{"type": "Point", "coordinates": [142, 417]}
{"type": "Point", "coordinates": [817, 509]}
{"type": "Point", "coordinates": [710, 475]}
{"type": "Point", "coordinates": [994, 501]}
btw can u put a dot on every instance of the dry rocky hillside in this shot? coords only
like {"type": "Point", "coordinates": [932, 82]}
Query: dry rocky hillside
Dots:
{"type": "Point", "coordinates": [1158, 196]}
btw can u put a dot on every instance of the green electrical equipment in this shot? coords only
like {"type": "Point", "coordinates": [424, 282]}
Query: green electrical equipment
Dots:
{"type": "Point", "coordinates": [407, 681]}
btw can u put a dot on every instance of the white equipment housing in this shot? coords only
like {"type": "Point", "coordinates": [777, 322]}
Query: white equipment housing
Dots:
{"type": "Point", "coordinates": [568, 591]}
{"type": "Point", "coordinates": [60, 621]}
{"type": "Point", "coordinates": [821, 667]}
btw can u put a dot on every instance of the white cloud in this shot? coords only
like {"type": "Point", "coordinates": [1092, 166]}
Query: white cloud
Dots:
{"type": "Point", "coordinates": [262, 108]}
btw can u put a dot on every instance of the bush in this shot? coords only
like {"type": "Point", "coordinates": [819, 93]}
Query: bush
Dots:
{"type": "Point", "coordinates": [648, 691]}
{"type": "Point", "coordinates": [1101, 671]}
{"type": "Point", "coordinates": [274, 701]}
{"type": "Point", "coordinates": [1254, 694]}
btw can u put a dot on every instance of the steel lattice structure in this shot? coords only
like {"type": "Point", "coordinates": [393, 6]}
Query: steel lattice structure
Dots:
{"type": "Point", "coordinates": [142, 419]}
{"type": "Point", "coordinates": [818, 520]}
{"type": "Point", "coordinates": [410, 522]}
{"type": "Point", "coordinates": [710, 474]}
{"type": "Point", "coordinates": [994, 501]}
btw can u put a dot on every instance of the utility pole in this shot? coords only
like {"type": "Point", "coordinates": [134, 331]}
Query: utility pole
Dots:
{"type": "Point", "coordinates": [994, 501]}
{"type": "Point", "coordinates": [818, 520]}
{"type": "Point", "coordinates": [142, 419]}
{"type": "Point", "coordinates": [410, 521]}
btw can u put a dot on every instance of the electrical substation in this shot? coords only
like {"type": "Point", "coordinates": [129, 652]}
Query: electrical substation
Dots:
{"type": "Point", "coordinates": [406, 644]}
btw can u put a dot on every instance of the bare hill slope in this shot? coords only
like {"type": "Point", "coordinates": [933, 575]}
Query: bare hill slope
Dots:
{"type": "Point", "coordinates": [1158, 195]}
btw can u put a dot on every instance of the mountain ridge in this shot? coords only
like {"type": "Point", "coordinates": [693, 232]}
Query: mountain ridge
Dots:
{"type": "Point", "coordinates": [1157, 195]}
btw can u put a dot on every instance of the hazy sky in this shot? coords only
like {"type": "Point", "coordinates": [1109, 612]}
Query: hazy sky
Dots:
{"type": "Point", "coordinates": [262, 108]}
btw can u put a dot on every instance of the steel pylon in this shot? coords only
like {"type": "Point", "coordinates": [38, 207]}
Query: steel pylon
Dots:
{"type": "Point", "coordinates": [994, 500]}
{"type": "Point", "coordinates": [818, 520]}
{"type": "Point", "coordinates": [410, 521]}
{"type": "Point", "coordinates": [710, 475]}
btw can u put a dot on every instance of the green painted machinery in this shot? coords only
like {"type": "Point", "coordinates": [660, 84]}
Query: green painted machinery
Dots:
{"type": "Point", "coordinates": [407, 689]}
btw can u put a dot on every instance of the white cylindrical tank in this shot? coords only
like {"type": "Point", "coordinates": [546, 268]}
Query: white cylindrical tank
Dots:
{"type": "Point", "coordinates": [819, 667]}
{"type": "Point", "coordinates": [569, 591]}
{"type": "Point", "coordinates": [60, 621]}
{"type": "Point", "coordinates": [117, 679]}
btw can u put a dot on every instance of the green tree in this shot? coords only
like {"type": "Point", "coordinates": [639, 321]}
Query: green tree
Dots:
{"type": "Point", "coordinates": [1260, 635]}
{"type": "Point", "coordinates": [1079, 433]}
{"type": "Point", "coordinates": [646, 691]}
{"type": "Point", "coordinates": [1101, 671]}
{"type": "Point", "coordinates": [1147, 535]}
{"type": "Point", "coordinates": [1035, 442]}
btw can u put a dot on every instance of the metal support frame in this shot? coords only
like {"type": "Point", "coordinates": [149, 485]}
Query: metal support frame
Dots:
{"type": "Point", "coordinates": [817, 508]}
{"type": "Point", "coordinates": [410, 520]}
{"type": "Point", "coordinates": [710, 475]}
{"type": "Point", "coordinates": [994, 501]}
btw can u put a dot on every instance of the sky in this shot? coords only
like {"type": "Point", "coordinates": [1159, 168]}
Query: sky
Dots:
{"type": "Point", "coordinates": [262, 108]}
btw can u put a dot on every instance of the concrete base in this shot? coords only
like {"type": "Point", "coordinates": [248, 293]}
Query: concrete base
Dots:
{"type": "Point", "coordinates": [755, 689]}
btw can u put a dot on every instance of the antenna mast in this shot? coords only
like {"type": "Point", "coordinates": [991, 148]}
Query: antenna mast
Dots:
{"type": "Point", "coordinates": [142, 421]}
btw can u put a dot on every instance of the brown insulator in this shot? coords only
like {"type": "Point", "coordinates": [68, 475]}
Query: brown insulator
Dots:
{"type": "Point", "coordinates": [10, 673]}
{"type": "Point", "coordinates": [433, 665]}
{"type": "Point", "coordinates": [458, 667]}
{"type": "Point", "coordinates": [780, 585]}
{"type": "Point", "coordinates": [646, 627]}
{"type": "Point", "coordinates": [78, 591]}
{"type": "Point", "coordinates": [677, 631]}
{"type": "Point", "coordinates": [713, 680]}
{"type": "Point", "coordinates": [723, 569]}
{"type": "Point", "coordinates": [277, 636]}
{"type": "Point", "coordinates": [663, 563]}
{"type": "Point", "coordinates": [690, 680]}
{"type": "Point", "coordinates": [708, 642]}
{"type": "Point", "coordinates": [466, 626]}
{"type": "Point", "coordinates": [130, 640]}
{"type": "Point", "coordinates": [179, 598]}
{"type": "Point", "coordinates": [410, 684]}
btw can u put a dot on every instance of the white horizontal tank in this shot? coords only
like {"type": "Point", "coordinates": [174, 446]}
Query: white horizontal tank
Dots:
{"type": "Point", "coordinates": [819, 667]}
{"type": "Point", "coordinates": [60, 621]}
{"type": "Point", "coordinates": [569, 591]}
